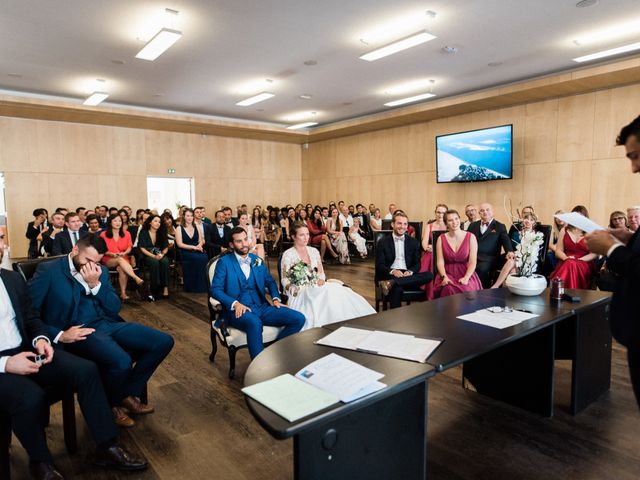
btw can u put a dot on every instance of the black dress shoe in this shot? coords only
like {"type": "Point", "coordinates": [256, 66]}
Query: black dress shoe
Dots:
{"type": "Point", "coordinates": [144, 292]}
{"type": "Point", "coordinates": [44, 471]}
{"type": "Point", "coordinates": [118, 458]}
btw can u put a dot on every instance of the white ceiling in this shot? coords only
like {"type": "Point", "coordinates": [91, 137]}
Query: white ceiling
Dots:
{"type": "Point", "coordinates": [60, 48]}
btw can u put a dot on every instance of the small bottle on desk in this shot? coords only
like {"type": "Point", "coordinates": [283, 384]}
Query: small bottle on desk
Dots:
{"type": "Point", "coordinates": [557, 288]}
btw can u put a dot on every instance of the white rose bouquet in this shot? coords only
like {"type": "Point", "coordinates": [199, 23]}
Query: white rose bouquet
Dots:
{"type": "Point", "coordinates": [527, 253]}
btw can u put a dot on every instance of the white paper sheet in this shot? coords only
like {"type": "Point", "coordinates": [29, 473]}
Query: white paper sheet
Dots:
{"type": "Point", "coordinates": [345, 337]}
{"type": "Point", "coordinates": [290, 397]}
{"type": "Point", "coordinates": [579, 221]}
{"type": "Point", "coordinates": [497, 320]}
{"type": "Point", "coordinates": [340, 377]}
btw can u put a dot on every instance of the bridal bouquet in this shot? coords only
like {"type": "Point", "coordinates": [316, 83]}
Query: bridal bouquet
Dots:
{"type": "Point", "coordinates": [301, 275]}
{"type": "Point", "coordinates": [527, 253]}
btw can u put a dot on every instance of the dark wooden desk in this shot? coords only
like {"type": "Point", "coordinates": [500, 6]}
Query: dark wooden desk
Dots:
{"type": "Point", "coordinates": [366, 438]}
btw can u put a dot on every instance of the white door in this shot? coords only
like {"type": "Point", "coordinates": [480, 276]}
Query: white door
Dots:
{"type": "Point", "coordinates": [169, 192]}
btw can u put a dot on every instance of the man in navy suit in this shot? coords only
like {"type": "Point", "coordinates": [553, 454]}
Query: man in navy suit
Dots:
{"type": "Point", "coordinates": [398, 262]}
{"type": "Point", "coordinates": [492, 238]}
{"type": "Point", "coordinates": [67, 239]}
{"type": "Point", "coordinates": [22, 397]}
{"type": "Point", "coordinates": [240, 283]}
{"type": "Point", "coordinates": [622, 249]}
{"type": "Point", "coordinates": [219, 235]}
{"type": "Point", "coordinates": [74, 297]}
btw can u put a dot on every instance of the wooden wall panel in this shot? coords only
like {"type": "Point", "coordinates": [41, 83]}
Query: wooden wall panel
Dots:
{"type": "Point", "coordinates": [575, 127]}
{"type": "Point", "coordinates": [613, 109]}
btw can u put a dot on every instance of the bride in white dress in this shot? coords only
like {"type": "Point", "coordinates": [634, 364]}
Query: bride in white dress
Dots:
{"type": "Point", "coordinates": [320, 301]}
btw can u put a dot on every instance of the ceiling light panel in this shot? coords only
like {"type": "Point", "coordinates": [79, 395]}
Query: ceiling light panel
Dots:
{"type": "Point", "coordinates": [95, 98]}
{"type": "Point", "coordinates": [614, 32]}
{"type": "Point", "coordinates": [415, 98]}
{"type": "Point", "coordinates": [261, 97]}
{"type": "Point", "coordinates": [397, 27]}
{"type": "Point", "coordinates": [159, 44]}
{"type": "Point", "coordinates": [302, 125]}
{"type": "Point", "coordinates": [608, 53]}
{"type": "Point", "coordinates": [298, 116]}
{"type": "Point", "coordinates": [400, 45]}
{"type": "Point", "coordinates": [408, 87]}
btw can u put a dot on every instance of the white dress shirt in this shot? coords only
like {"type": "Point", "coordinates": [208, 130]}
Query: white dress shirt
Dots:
{"type": "Point", "coordinates": [483, 226]}
{"type": "Point", "coordinates": [399, 263]}
{"type": "Point", "coordinates": [346, 221]}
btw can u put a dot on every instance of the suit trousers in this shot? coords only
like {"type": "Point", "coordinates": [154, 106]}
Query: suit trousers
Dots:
{"type": "Point", "coordinates": [412, 282]}
{"type": "Point", "coordinates": [633, 357]}
{"type": "Point", "coordinates": [22, 397]}
{"type": "Point", "coordinates": [251, 323]}
{"type": "Point", "coordinates": [485, 269]}
{"type": "Point", "coordinates": [126, 353]}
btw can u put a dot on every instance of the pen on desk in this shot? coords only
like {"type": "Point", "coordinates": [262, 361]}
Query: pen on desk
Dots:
{"type": "Point", "coordinates": [523, 310]}
{"type": "Point", "coordinates": [366, 351]}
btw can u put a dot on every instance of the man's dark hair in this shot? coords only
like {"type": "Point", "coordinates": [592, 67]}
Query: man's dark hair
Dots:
{"type": "Point", "coordinates": [70, 215]}
{"type": "Point", "coordinates": [92, 240]}
{"type": "Point", "coordinates": [198, 208]}
{"type": "Point", "coordinates": [219, 211]}
{"type": "Point", "coordinates": [236, 231]}
{"type": "Point", "coordinates": [59, 209]}
{"type": "Point", "coordinates": [93, 216]}
{"type": "Point", "coordinates": [104, 206]}
{"type": "Point", "coordinates": [399, 213]}
{"type": "Point", "coordinates": [79, 209]}
{"type": "Point", "coordinates": [39, 211]}
{"type": "Point", "coordinates": [227, 209]}
{"type": "Point", "coordinates": [632, 129]}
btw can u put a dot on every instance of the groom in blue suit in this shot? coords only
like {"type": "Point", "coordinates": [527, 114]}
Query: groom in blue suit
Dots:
{"type": "Point", "coordinates": [239, 284]}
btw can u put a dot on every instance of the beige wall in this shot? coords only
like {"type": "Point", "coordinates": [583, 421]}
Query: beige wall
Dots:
{"type": "Point", "coordinates": [51, 164]}
{"type": "Point", "coordinates": [563, 154]}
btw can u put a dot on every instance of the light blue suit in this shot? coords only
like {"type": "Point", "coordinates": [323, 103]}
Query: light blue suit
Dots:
{"type": "Point", "coordinates": [229, 285]}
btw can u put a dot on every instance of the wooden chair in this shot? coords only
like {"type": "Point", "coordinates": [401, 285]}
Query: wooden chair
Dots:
{"type": "Point", "coordinates": [408, 296]}
{"type": "Point", "coordinates": [229, 337]}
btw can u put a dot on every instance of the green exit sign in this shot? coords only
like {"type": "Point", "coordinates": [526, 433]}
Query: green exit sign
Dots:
{"type": "Point", "coordinates": [171, 170]}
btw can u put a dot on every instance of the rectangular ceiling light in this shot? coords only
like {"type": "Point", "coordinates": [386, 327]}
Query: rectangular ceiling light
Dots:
{"type": "Point", "coordinates": [398, 46]}
{"type": "Point", "coordinates": [608, 53]}
{"type": "Point", "coordinates": [415, 98]}
{"type": "Point", "coordinates": [302, 125]}
{"type": "Point", "coordinates": [160, 42]}
{"type": "Point", "coordinates": [255, 99]}
{"type": "Point", "coordinates": [95, 98]}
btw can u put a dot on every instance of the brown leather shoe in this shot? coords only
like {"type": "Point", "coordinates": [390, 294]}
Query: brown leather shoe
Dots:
{"type": "Point", "coordinates": [121, 418]}
{"type": "Point", "coordinates": [44, 471]}
{"type": "Point", "coordinates": [134, 406]}
{"type": "Point", "coordinates": [118, 458]}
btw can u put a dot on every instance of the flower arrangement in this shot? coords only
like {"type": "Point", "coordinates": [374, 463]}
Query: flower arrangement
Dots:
{"type": "Point", "coordinates": [527, 253]}
{"type": "Point", "coordinates": [301, 275]}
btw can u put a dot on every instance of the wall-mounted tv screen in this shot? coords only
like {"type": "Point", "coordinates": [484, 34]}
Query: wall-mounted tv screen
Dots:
{"type": "Point", "coordinates": [475, 156]}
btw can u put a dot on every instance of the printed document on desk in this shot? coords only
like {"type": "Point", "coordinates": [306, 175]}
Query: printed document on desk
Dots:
{"type": "Point", "coordinates": [341, 377]}
{"type": "Point", "coordinates": [380, 342]}
{"type": "Point", "coordinates": [290, 397]}
{"type": "Point", "coordinates": [499, 319]}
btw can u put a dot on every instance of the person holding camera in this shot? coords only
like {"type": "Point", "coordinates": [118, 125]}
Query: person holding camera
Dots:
{"type": "Point", "coordinates": [153, 243]}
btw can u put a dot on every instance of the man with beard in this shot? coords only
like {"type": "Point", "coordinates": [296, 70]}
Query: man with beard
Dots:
{"type": "Point", "coordinates": [74, 297]}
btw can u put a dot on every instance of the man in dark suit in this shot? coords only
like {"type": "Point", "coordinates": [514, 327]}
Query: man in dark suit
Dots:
{"type": "Point", "coordinates": [48, 237]}
{"type": "Point", "coordinates": [398, 262]}
{"type": "Point", "coordinates": [229, 220]}
{"type": "Point", "coordinates": [67, 239]}
{"type": "Point", "coordinates": [23, 376]}
{"type": "Point", "coordinates": [240, 283]}
{"type": "Point", "coordinates": [622, 249]}
{"type": "Point", "coordinates": [219, 236]}
{"type": "Point", "coordinates": [492, 239]}
{"type": "Point", "coordinates": [364, 218]}
{"type": "Point", "coordinates": [34, 230]}
{"type": "Point", "coordinates": [74, 297]}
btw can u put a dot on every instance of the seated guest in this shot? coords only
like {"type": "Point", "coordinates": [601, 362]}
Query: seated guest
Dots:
{"type": "Point", "coordinates": [346, 220]}
{"type": "Point", "coordinates": [517, 226]}
{"type": "Point", "coordinates": [398, 262]}
{"type": "Point", "coordinates": [228, 217]}
{"type": "Point", "coordinates": [191, 254]}
{"type": "Point", "coordinates": [288, 217]}
{"type": "Point", "coordinates": [337, 237]}
{"type": "Point", "coordinates": [48, 237]}
{"type": "Point", "coordinates": [356, 235]}
{"type": "Point", "coordinates": [74, 297]}
{"type": "Point", "coordinates": [320, 302]}
{"type": "Point", "coordinates": [66, 240]}
{"type": "Point", "coordinates": [117, 256]}
{"type": "Point", "coordinates": [365, 220]}
{"type": "Point", "coordinates": [93, 224]}
{"type": "Point", "coordinates": [240, 282]}
{"type": "Point", "coordinates": [103, 214]}
{"type": "Point", "coordinates": [492, 238]}
{"type": "Point", "coordinates": [426, 261]}
{"type": "Point", "coordinates": [556, 227]}
{"type": "Point", "coordinates": [271, 227]}
{"type": "Point", "coordinates": [254, 247]}
{"type": "Point", "coordinates": [456, 253]}
{"type": "Point", "coordinates": [618, 219]}
{"type": "Point", "coordinates": [154, 246]}
{"type": "Point", "coordinates": [256, 223]}
{"type": "Point", "coordinates": [576, 266]}
{"type": "Point", "coordinates": [471, 212]}
{"type": "Point", "coordinates": [392, 209]}
{"type": "Point", "coordinates": [22, 380]}
{"type": "Point", "coordinates": [318, 233]}
{"type": "Point", "coordinates": [35, 229]}
{"type": "Point", "coordinates": [128, 226]}
{"type": "Point", "coordinates": [219, 235]}
{"type": "Point", "coordinates": [633, 218]}
{"type": "Point", "coordinates": [169, 225]}
{"type": "Point", "coordinates": [528, 223]}
{"type": "Point", "coordinates": [375, 221]}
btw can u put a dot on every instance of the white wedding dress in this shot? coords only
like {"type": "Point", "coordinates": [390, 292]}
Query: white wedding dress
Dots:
{"type": "Point", "coordinates": [329, 303]}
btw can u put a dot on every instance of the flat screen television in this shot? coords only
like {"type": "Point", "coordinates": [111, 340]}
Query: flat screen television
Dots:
{"type": "Point", "coordinates": [475, 156]}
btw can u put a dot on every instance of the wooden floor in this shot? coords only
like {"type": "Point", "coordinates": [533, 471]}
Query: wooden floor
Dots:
{"type": "Point", "coordinates": [202, 428]}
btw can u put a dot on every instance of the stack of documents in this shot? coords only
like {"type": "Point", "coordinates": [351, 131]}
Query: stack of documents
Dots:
{"type": "Point", "coordinates": [379, 342]}
{"type": "Point", "coordinates": [319, 385]}
{"type": "Point", "coordinates": [497, 317]}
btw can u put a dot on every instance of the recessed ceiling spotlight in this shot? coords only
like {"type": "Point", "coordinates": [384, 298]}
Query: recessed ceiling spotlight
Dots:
{"type": "Point", "coordinates": [259, 109]}
{"type": "Point", "coordinates": [305, 96]}
{"type": "Point", "coordinates": [494, 64]}
{"type": "Point", "coordinates": [310, 63]}
{"type": "Point", "coordinates": [117, 62]}
{"type": "Point", "coordinates": [14, 75]}
{"type": "Point", "coordinates": [158, 94]}
{"type": "Point", "coordinates": [587, 3]}
{"type": "Point", "coordinates": [346, 104]}
{"type": "Point", "coordinates": [449, 50]}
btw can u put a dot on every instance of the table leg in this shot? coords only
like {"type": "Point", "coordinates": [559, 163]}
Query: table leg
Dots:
{"type": "Point", "coordinates": [386, 439]}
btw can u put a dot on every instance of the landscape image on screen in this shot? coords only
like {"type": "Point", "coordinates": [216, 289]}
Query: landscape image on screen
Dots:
{"type": "Point", "coordinates": [474, 156]}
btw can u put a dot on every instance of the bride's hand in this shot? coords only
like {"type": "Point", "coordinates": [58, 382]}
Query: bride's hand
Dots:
{"type": "Point", "coordinates": [320, 282]}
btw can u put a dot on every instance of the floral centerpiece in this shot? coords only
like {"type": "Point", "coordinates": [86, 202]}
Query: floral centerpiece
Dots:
{"type": "Point", "coordinates": [301, 275]}
{"type": "Point", "coordinates": [525, 281]}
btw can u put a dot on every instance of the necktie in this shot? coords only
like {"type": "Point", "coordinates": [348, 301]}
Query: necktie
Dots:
{"type": "Point", "coordinates": [75, 238]}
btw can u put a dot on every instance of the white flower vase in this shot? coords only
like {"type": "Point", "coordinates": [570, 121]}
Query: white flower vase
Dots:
{"type": "Point", "coordinates": [526, 286]}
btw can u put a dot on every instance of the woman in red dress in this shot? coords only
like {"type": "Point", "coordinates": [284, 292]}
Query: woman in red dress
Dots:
{"type": "Point", "coordinates": [119, 247]}
{"type": "Point", "coordinates": [426, 261]}
{"type": "Point", "coordinates": [576, 265]}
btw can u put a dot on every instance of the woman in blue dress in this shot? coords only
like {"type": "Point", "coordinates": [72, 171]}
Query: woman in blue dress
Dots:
{"type": "Point", "coordinates": [190, 242]}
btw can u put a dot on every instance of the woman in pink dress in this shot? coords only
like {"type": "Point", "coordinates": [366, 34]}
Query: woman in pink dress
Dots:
{"type": "Point", "coordinates": [456, 253]}
{"type": "Point", "coordinates": [426, 261]}
{"type": "Point", "coordinates": [576, 266]}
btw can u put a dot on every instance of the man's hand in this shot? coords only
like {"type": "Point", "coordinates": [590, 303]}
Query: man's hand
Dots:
{"type": "Point", "coordinates": [320, 282]}
{"type": "Point", "coordinates": [600, 241]}
{"type": "Point", "coordinates": [91, 273]}
{"type": "Point", "coordinates": [277, 304]}
{"type": "Point", "coordinates": [44, 348]}
{"type": "Point", "coordinates": [240, 309]}
{"type": "Point", "coordinates": [622, 234]}
{"type": "Point", "coordinates": [396, 273]}
{"type": "Point", "coordinates": [76, 334]}
{"type": "Point", "coordinates": [407, 273]}
{"type": "Point", "coordinates": [21, 364]}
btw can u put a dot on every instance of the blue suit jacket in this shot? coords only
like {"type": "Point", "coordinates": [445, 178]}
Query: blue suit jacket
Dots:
{"type": "Point", "coordinates": [55, 296]}
{"type": "Point", "coordinates": [226, 285]}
